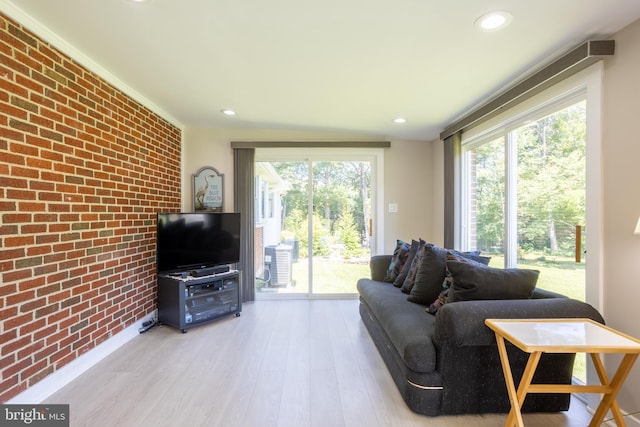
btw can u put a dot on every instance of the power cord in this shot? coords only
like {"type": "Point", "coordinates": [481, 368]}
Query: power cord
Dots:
{"type": "Point", "coordinates": [148, 325]}
{"type": "Point", "coordinates": [632, 414]}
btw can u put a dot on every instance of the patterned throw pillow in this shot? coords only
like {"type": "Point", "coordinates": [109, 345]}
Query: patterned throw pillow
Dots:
{"type": "Point", "coordinates": [407, 285]}
{"type": "Point", "coordinates": [415, 244]}
{"type": "Point", "coordinates": [400, 254]}
{"type": "Point", "coordinates": [442, 300]}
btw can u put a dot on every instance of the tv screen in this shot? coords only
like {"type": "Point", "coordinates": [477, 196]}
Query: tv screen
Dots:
{"type": "Point", "coordinates": [189, 241]}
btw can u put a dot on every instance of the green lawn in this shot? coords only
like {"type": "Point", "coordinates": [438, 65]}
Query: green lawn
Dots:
{"type": "Point", "coordinates": [557, 274]}
{"type": "Point", "coordinates": [330, 276]}
{"type": "Point", "coordinates": [334, 276]}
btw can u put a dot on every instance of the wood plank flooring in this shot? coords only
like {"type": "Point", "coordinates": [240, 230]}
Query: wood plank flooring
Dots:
{"type": "Point", "coordinates": [281, 363]}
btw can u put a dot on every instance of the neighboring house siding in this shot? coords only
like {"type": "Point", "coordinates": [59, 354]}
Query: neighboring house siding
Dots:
{"type": "Point", "coordinates": [83, 170]}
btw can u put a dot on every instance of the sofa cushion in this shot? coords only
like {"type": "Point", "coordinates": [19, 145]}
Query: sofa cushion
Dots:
{"type": "Point", "coordinates": [407, 325]}
{"type": "Point", "coordinates": [471, 282]}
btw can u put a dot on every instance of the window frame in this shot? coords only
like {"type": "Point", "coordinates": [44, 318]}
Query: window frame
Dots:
{"type": "Point", "coordinates": [507, 132]}
{"type": "Point", "coordinates": [589, 83]}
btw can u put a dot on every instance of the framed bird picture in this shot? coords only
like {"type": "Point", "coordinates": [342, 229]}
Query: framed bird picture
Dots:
{"type": "Point", "coordinates": [208, 185]}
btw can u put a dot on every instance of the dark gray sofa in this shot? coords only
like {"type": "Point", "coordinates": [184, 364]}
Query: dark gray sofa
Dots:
{"type": "Point", "coordinates": [448, 363]}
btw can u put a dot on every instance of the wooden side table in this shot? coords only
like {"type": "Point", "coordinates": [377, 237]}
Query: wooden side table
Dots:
{"type": "Point", "coordinates": [538, 336]}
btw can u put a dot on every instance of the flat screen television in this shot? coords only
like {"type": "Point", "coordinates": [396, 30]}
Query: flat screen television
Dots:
{"type": "Point", "coordinates": [192, 241]}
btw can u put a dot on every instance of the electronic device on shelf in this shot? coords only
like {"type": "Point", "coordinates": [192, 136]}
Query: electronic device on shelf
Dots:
{"type": "Point", "coordinates": [210, 270]}
{"type": "Point", "coordinates": [197, 243]}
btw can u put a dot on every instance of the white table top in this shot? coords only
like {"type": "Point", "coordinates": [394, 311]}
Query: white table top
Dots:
{"type": "Point", "coordinates": [563, 336]}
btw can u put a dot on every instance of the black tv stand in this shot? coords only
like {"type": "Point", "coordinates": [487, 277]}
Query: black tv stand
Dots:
{"type": "Point", "coordinates": [207, 271]}
{"type": "Point", "coordinates": [187, 302]}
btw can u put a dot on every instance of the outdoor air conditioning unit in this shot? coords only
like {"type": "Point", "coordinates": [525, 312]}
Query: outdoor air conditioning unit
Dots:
{"type": "Point", "coordinates": [280, 264]}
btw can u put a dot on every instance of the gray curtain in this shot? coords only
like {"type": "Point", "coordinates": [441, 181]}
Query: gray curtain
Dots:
{"type": "Point", "coordinates": [451, 160]}
{"type": "Point", "coordinates": [243, 169]}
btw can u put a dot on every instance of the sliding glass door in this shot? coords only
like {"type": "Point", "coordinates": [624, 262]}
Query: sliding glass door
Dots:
{"type": "Point", "coordinates": [313, 223]}
{"type": "Point", "coordinates": [524, 190]}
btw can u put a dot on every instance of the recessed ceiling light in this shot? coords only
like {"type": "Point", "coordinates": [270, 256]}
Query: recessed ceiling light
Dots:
{"type": "Point", "coordinates": [228, 112]}
{"type": "Point", "coordinates": [493, 21]}
{"type": "Point", "coordinates": [399, 120]}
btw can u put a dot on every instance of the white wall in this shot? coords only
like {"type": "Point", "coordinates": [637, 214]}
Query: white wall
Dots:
{"type": "Point", "coordinates": [409, 171]}
{"type": "Point", "coordinates": [621, 198]}
{"type": "Point", "coordinates": [414, 180]}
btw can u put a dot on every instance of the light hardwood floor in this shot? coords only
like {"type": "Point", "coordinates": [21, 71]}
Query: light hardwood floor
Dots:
{"type": "Point", "coordinates": [281, 363]}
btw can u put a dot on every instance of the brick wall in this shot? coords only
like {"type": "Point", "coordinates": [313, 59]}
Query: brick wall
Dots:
{"type": "Point", "coordinates": [83, 170]}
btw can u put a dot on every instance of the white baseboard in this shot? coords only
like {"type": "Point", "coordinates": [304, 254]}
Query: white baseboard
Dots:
{"type": "Point", "coordinates": [63, 376]}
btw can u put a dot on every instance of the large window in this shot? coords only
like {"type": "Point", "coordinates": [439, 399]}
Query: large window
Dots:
{"type": "Point", "coordinates": [524, 186]}
{"type": "Point", "coordinates": [524, 191]}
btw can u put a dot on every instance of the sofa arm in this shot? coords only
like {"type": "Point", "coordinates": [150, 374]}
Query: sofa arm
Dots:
{"type": "Point", "coordinates": [379, 265]}
{"type": "Point", "coordinates": [461, 324]}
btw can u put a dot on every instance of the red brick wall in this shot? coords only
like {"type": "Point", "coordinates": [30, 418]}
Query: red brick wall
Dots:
{"type": "Point", "coordinates": [83, 171]}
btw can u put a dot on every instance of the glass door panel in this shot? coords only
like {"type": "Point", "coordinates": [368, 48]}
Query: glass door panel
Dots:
{"type": "Point", "coordinates": [524, 203]}
{"type": "Point", "coordinates": [312, 232]}
{"type": "Point", "coordinates": [281, 227]}
{"type": "Point", "coordinates": [551, 202]}
{"type": "Point", "coordinates": [341, 221]}
{"type": "Point", "coordinates": [551, 198]}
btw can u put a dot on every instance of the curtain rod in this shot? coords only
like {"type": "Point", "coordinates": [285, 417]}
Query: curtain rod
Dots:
{"type": "Point", "coordinates": [577, 60]}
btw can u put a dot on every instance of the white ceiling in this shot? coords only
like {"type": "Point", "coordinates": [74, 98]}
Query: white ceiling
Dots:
{"type": "Point", "coordinates": [348, 66]}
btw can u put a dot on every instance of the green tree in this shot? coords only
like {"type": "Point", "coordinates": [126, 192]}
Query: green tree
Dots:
{"type": "Point", "coordinates": [550, 185]}
{"type": "Point", "coordinates": [551, 180]}
{"type": "Point", "coordinates": [490, 195]}
{"type": "Point", "coordinates": [347, 233]}
{"type": "Point", "coordinates": [340, 192]}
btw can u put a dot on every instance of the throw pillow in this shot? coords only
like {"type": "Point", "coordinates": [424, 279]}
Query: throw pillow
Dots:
{"type": "Point", "coordinates": [472, 258]}
{"type": "Point", "coordinates": [442, 300]}
{"type": "Point", "coordinates": [432, 272]}
{"type": "Point", "coordinates": [471, 282]}
{"type": "Point", "coordinates": [468, 257]}
{"type": "Point", "coordinates": [472, 255]}
{"type": "Point", "coordinates": [430, 275]}
{"type": "Point", "coordinates": [399, 253]}
{"type": "Point", "coordinates": [398, 281]}
{"type": "Point", "coordinates": [413, 268]}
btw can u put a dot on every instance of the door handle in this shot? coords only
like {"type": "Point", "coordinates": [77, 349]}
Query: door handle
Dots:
{"type": "Point", "coordinates": [578, 243]}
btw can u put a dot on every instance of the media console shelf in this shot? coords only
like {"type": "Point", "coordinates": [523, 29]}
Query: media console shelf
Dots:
{"type": "Point", "coordinates": [184, 302]}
